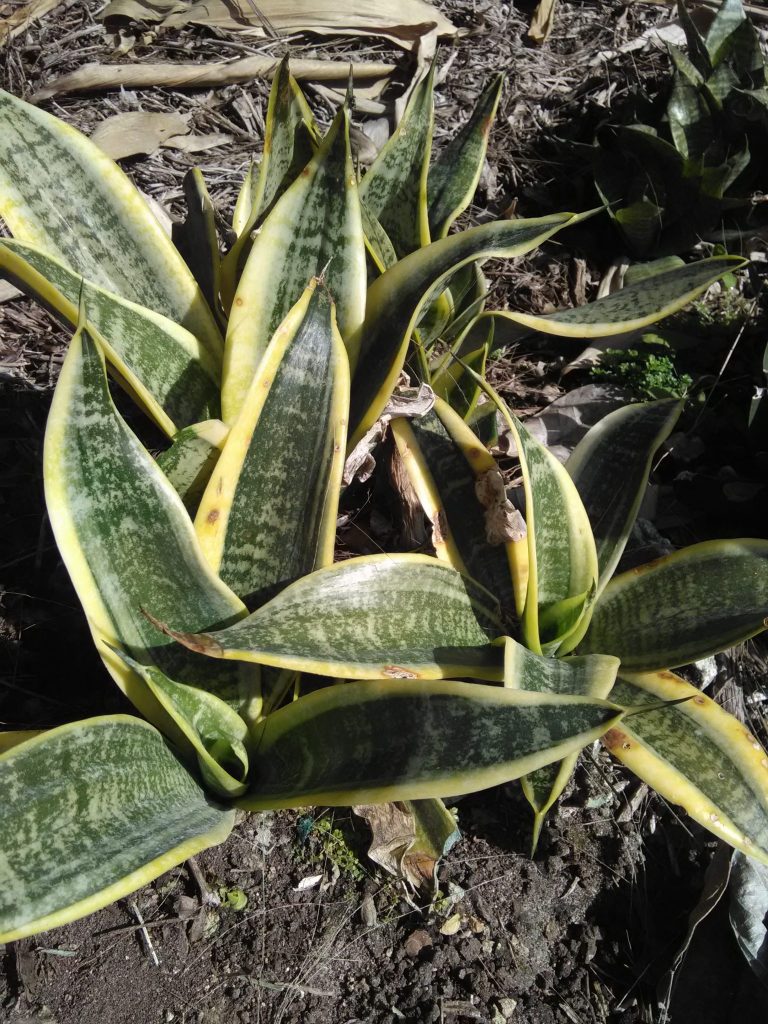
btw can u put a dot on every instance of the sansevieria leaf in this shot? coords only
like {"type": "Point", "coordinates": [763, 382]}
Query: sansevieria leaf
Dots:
{"type": "Point", "coordinates": [190, 460]}
{"type": "Point", "coordinates": [377, 241]}
{"type": "Point", "coordinates": [562, 560]}
{"type": "Point", "coordinates": [314, 229]}
{"type": "Point", "coordinates": [127, 540]}
{"type": "Point", "coordinates": [61, 194]}
{"type": "Point", "coordinates": [91, 812]}
{"type": "Point", "coordinates": [396, 299]}
{"type": "Point", "coordinates": [610, 467]}
{"type": "Point", "coordinates": [218, 735]}
{"type": "Point", "coordinates": [268, 515]}
{"type": "Point", "coordinates": [453, 177]}
{"type": "Point", "coordinates": [290, 137]}
{"type": "Point", "coordinates": [13, 737]}
{"type": "Point", "coordinates": [683, 607]}
{"type": "Point", "coordinates": [590, 676]}
{"type": "Point", "coordinates": [373, 741]}
{"type": "Point", "coordinates": [396, 616]}
{"type": "Point", "coordinates": [631, 308]}
{"type": "Point", "coordinates": [394, 189]}
{"type": "Point", "coordinates": [197, 240]}
{"type": "Point", "coordinates": [696, 755]}
{"type": "Point", "coordinates": [447, 464]}
{"type": "Point", "coordinates": [168, 371]}
{"type": "Point", "coordinates": [581, 676]}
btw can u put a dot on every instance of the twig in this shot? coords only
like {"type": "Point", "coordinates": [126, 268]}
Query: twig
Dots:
{"type": "Point", "coordinates": [207, 897]}
{"type": "Point", "coordinates": [145, 934]}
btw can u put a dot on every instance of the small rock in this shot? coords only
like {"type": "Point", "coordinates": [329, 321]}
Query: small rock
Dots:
{"type": "Point", "coordinates": [452, 925]}
{"type": "Point", "coordinates": [416, 941]}
{"type": "Point", "coordinates": [505, 1008]}
{"type": "Point", "coordinates": [368, 911]}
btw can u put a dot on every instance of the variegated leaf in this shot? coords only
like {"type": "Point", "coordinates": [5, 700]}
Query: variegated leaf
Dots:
{"type": "Point", "coordinates": [396, 616]}
{"type": "Point", "coordinates": [453, 177]}
{"type": "Point", "coordinates": [696, 755]}
{"type": "Point", "coordinates": [586, 676]}
{"type": "Point", "coordinates": [314, 229]}
{"type": "Point", "coordinates": [61, 194]}
{"type": "Point", "coordinates": [190, 460]}
{"type": "Point", "coordinates": [633, 307]}
{"type": "Point", "coordinates": [450, 471]}
{"type": "Point", "coordinates": [684, 607]}
{"type": "Point", "coordinates": [91, 812]}
{"type": "Point", "coordinates": [729, 17]}
{"type": "Point", "coordinates": [395, 188]}
{"type": "Point", "coordinates": [377, 241]}
{"type": "Point", "coordinates": [244, 200]}
{"type": "Point", "coordinates": [396, 299]}
{"type": "Point", "coordinates": [562, 560]}
{"type": "Point", "coordinates": [128, 542]}
{"type": "Point", "coordinates": [217, 734]}
{"type": "Point", "coordinates": [290, 138]}
{"type": "Point", "coordinates": [610, 467]}
{"type": "Point", "coordinates": [165, 367]}
{"type": "Point", "coordinates": [590, 676]}
{"type": "Point", "coordinates": [413, 740]}
{"type": "Point", "coordinates": [268, 515]}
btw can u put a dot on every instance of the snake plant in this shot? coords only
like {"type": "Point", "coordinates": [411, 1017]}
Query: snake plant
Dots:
{"type": "Point", "coordinates": [667, 183]}
{"type": "Point", "coordinates": [207, 574]}
{"type": "Point", "coordinates": [554, 571]}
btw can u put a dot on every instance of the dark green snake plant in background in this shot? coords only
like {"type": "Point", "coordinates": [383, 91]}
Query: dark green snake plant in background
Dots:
{"type": "Point", "coordinates": [207, 575]}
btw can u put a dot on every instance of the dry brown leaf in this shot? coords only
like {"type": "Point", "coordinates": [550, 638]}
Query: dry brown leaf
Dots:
{"type": "Point", "coordinates": [403, 22]}
{"type": "Point", "coordinates": [124, 135]}
{"type": "Point", "coordinates": [197, 143]}
{"type": "Point", "coordinates": [392, 833]}
{"type": "Point", "coordinates": [142, 75]}
{"type": "Point", "coordinates": [542, 22]}
{"type": "Point", "coordinates": [16, 17]}
{"type": "Point", "coordinates": [503, 522]}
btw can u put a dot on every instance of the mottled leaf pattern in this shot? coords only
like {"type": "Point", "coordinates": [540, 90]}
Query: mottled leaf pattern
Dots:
{"type": "Point", "coordinates": [268, 515]}
{"type": "Point", "coordinates": [166, 368]}
{"type": "Point", "coordinates": [98, 224]}
{"type": "Point", "coordinates": [373, 741]}
{"type": "Point", "coordinates": [91, 812]}
{"type": "Point", "coordinates": [610, 467]}
{"type": "Point", "coordinates": [341, 621]}
{"type": "Point", "coordinates": [684, 607]}
{"type": "Point", "coordinates": [562, 560]}
{"type": "Point", "coordinates": [633, 307]}
{"type": "Point", "coordinates": [113, 511]}
{"type": "Point", "coordinates": [190, 460]}
{"type": "Point", "coordinates": [314, 229]}
{"type": "Point", "coordinates": [453, 177]}
{"type": "Point", "coordinates": [394, 189]}
{"type": "Point", "coordinates": [697, 756]}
